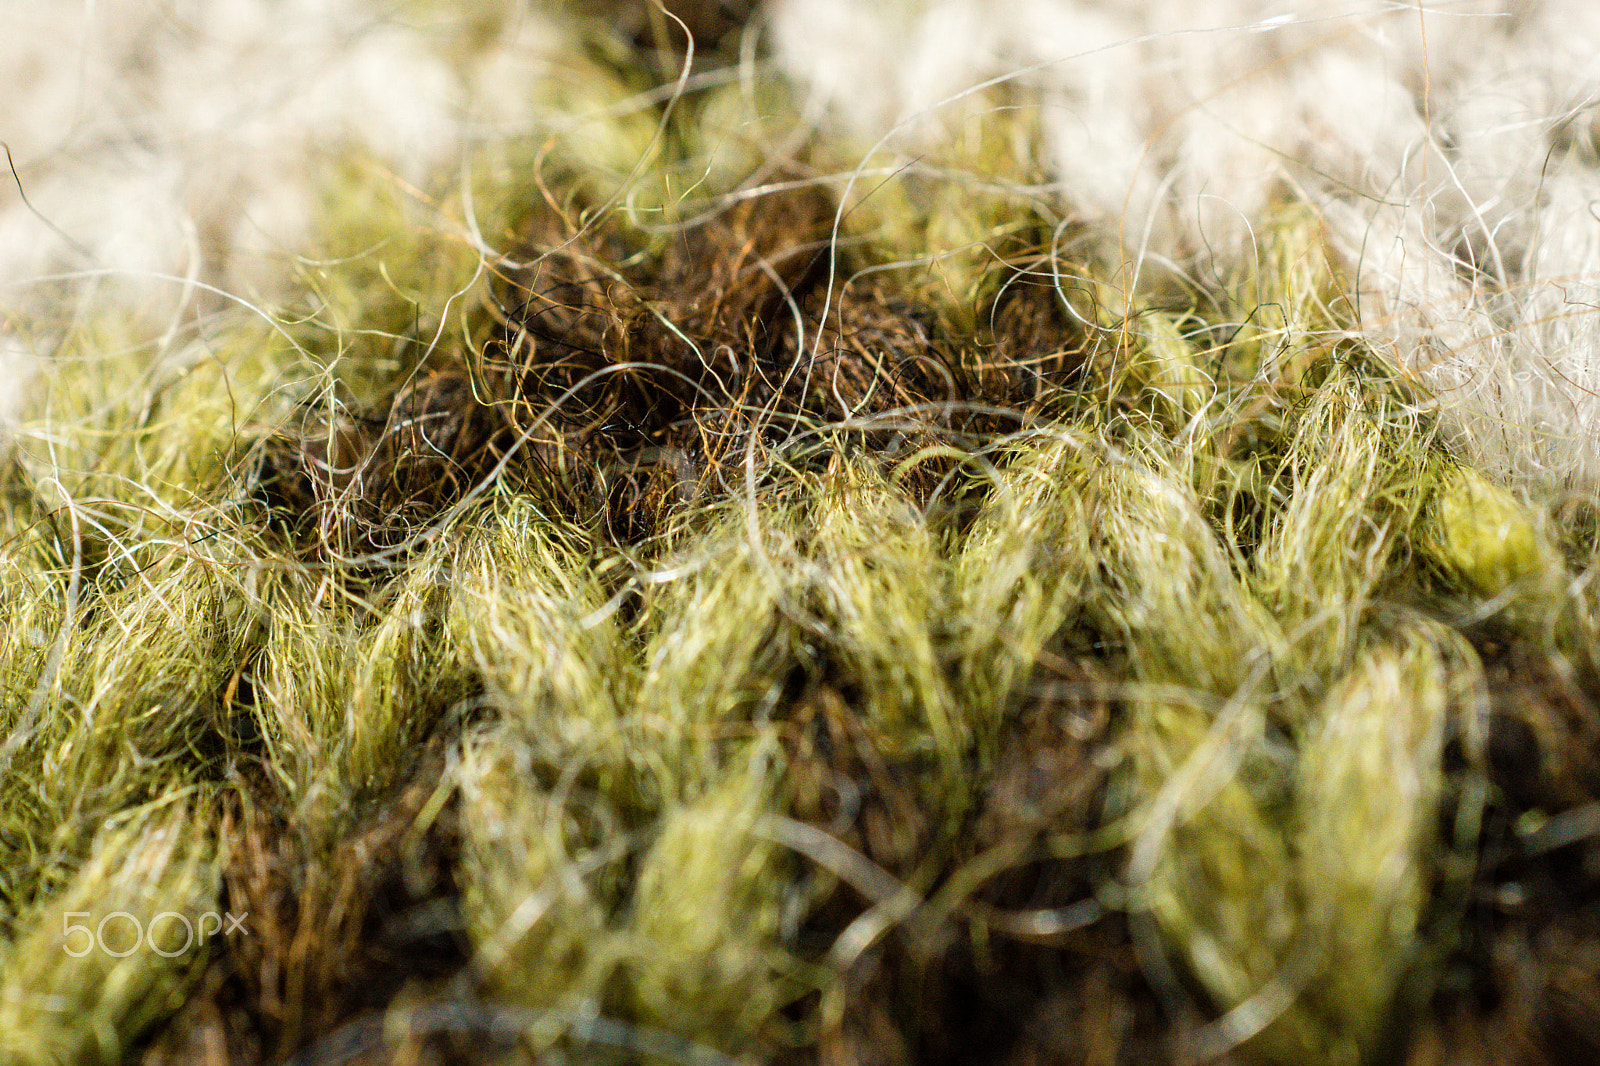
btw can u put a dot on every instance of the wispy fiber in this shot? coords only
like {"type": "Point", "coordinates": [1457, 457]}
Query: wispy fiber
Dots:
{"type": "Point", "coordinates": [686, 583]}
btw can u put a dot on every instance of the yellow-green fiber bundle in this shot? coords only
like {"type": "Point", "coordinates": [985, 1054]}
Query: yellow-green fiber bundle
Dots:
{"type": "Point", "coordinates": [683, 589]}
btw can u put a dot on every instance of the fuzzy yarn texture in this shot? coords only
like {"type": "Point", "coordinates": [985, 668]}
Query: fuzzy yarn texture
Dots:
{"type": "Point", "coordinates": [786, 531]}
{"type": "Point", "coordinates": [1449, 149]}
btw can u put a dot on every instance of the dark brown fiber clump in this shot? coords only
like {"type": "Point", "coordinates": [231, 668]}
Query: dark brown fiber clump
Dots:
{"type": "Point", "coordinates": [619, 393]}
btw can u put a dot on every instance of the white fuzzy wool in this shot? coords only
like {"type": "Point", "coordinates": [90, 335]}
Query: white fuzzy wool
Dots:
{"type": "Point", "coordinates": [188, 139]}
{"type": "Point", "coordinates": [1450, 147]}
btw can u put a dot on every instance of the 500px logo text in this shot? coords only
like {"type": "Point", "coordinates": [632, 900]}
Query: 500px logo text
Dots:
{"type": "Point", "coordinates": [168, 934]}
